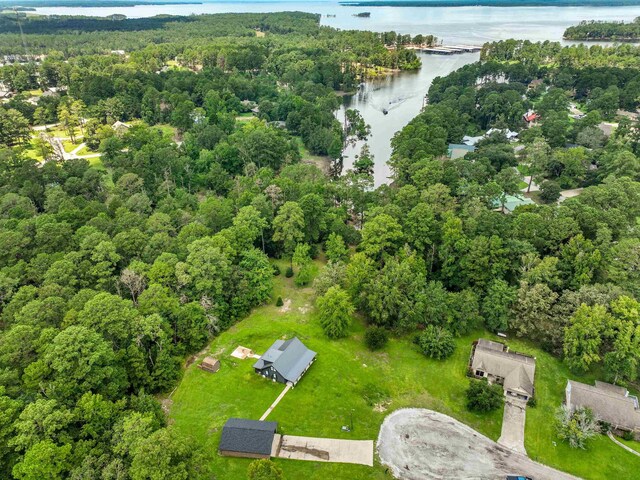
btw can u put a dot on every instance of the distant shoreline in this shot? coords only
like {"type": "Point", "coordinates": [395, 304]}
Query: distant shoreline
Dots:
{"type": "Point", "coordinates": [11, 5]}
{"type": "Point", "coordinates": [489, 3]}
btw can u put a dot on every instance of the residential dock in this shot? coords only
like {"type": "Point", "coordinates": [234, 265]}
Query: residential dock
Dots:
{"type": "Point", "coordinates": [448, 49]}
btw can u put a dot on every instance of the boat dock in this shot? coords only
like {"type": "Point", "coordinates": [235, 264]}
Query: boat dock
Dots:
{"type": "Point", "coordinates": [450, 49]}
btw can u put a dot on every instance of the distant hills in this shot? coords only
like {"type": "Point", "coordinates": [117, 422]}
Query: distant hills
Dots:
{"type": "Point", "coordinates": [490, 3]}
{"type": "Point", "coordinates": [24, 5]}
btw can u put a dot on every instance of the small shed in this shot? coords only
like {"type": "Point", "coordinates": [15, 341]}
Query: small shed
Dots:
{"type": "Point", "coordinates": [210, 364]}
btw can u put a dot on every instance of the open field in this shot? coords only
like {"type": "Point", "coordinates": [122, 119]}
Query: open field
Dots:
{"type": "Point", "coordinates": [348, 379]}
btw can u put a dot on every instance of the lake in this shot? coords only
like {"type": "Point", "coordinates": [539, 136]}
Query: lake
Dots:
{"type": "Point", "coordinates": [400, 94]}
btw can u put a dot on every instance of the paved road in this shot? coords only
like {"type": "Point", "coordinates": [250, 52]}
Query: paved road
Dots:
{"type": "Point", "coordinates": [513, 421]}
{"type": "Point", "coordinates": [419, 444]}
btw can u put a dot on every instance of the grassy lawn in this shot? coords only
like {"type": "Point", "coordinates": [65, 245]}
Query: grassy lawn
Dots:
{"type": "Point", "coordinates": [85, 151]}
{"type": "Point", "coordinates": [69, 146]}
{"type": "Point", "coordinates": [341, 379]}
{"type": "Point", "coordinates": [167, 130]}
{"type": "Point", "coordinates": [630, 443]}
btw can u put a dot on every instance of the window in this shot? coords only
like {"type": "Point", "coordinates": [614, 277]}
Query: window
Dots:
{"type": "Point", "coordinates": [479, 373]}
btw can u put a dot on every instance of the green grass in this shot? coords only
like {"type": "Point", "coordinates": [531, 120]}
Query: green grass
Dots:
{"type": "Point", "coordinates": [523, 169]}
{"type": "Point", "coordinates": [334, 386]}
{"type": "Point", "coordinates": [167, 130]}
{"type": "Point", "coordinates": [69, 146]}
{"type": "Point", "coordinates": [522, 185]}
{"type": "Point", "coordinates": [85, 151]}
{"type": "Point", "coordinates": [630, 443]}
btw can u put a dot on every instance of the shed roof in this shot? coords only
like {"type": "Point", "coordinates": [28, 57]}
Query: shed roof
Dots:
{"type": "Point", "coordinates": [610, 403]}
{"type": "Point", "coordinates": [290, 358]}
{"type": "Point", "coordinates": [248, 436]}
{"type": "Point", "coordinates": [517, 369]}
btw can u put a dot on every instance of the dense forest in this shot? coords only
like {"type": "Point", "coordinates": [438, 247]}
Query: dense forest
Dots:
{"type": "Point", "coordinates": [114, 270]}
{"type": "Point", "coordinates": [598, 30]}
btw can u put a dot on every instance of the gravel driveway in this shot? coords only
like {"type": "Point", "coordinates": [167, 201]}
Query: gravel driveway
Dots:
{"type": "Point", "coordinates": [418, 444]}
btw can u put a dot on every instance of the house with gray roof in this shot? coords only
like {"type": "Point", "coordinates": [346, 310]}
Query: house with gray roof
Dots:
{"type": "Point", "coordinates": [248, 438]}
{"type": "Point", "coordinates": [495, 362]}
{"type": "Point", "coordinates": [285, 361]}
{"type": "Point", "coordinates": [610, 403]}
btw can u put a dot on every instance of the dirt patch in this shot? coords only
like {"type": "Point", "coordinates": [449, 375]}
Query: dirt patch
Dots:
{"type": "Point", "coordinates": [242, 352]}
{"type": "Point", "coordinates": [314, 452]}
{"type": "Point", "coordinates": [286, 306]}
{"type": "Point", "coordinates": [306, 308]}
{"type": "Point", "coordinates": [193, 358]}
{"type": "Point", "coordinates": [166, 405]}
{"type": "Point", "coordinates": [381, 407]}
{"type": "Point", "coordinates": [419, 444]}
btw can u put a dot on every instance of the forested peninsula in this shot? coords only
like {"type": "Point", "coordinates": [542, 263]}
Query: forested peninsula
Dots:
{"type": "Point", "coordinates": [605, 31]}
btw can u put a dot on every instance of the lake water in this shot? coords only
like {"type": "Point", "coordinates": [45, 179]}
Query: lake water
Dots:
{"type": "Point", "coordinates": [400, 94]}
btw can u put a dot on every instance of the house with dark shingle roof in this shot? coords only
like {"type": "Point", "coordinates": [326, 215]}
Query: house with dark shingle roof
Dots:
{"type": "Point", "coordinates": [248, 438]}
{"type": "Point", "coordinates": [514, 371]}
{"type": "Point", "coordinates": [285, 361]}
{"type": "Point", "coordinates": [610, 403]}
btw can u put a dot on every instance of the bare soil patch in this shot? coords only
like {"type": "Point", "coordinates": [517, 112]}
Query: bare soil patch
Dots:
{"type": "Point", "coordinates": [286, 306]}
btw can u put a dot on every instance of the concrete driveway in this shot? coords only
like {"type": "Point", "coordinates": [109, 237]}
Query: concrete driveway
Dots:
{"type": "Point", "coordinates": [420, 444]}
{"type": "Point", "coordinates": [325, 450]}
{"type": "Point", "coordinates": [513, 421]}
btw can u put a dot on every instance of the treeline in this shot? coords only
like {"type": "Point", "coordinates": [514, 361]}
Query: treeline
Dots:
{"type": "Point", "coordinates": [163, 38]}
{"type": "Point", "coordinates": [545, 54]}
{"type": "Point", "coordinates": [599, 30]}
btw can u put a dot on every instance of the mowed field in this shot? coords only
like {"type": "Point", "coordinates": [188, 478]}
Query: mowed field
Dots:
{"type": "Point", "coordinates": [347, 380]}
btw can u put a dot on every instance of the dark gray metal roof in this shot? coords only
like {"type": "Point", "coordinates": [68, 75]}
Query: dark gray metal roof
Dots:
{"type": "Point", "coordinates": [248, 436]}
{"type": "Point", "coordinates": [290, 358]}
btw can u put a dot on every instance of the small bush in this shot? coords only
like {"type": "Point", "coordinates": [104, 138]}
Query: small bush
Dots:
{"type": "Point", "coordinates": [482, 397]}
{"type": "Point", "coordinates": [289, 272]}
{"type": "Point", "coordinates": [628, 436]}
{"type": "Point", "coordinates": [532, 402]}
{"type": "Point", "coordinates": [305, 275]}
{"type": "Point", "coordinates": [276, 270]}
{"type": "Point", "coordinates": [264, 469]}
{"type": "Point", "coordinates": [436, 342]}
{"type": "Point", "coordinates": [375, 338]}
{"type": "Point", "coordinates": [576, 427]}
{"type": "Point", "coordinates": [279, 302]}
{"type": "Point", "coordinates": [605, 427]}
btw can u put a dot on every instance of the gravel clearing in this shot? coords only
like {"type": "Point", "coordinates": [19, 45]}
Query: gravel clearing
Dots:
{"type": "Point", "coordinates": [419, 444]}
